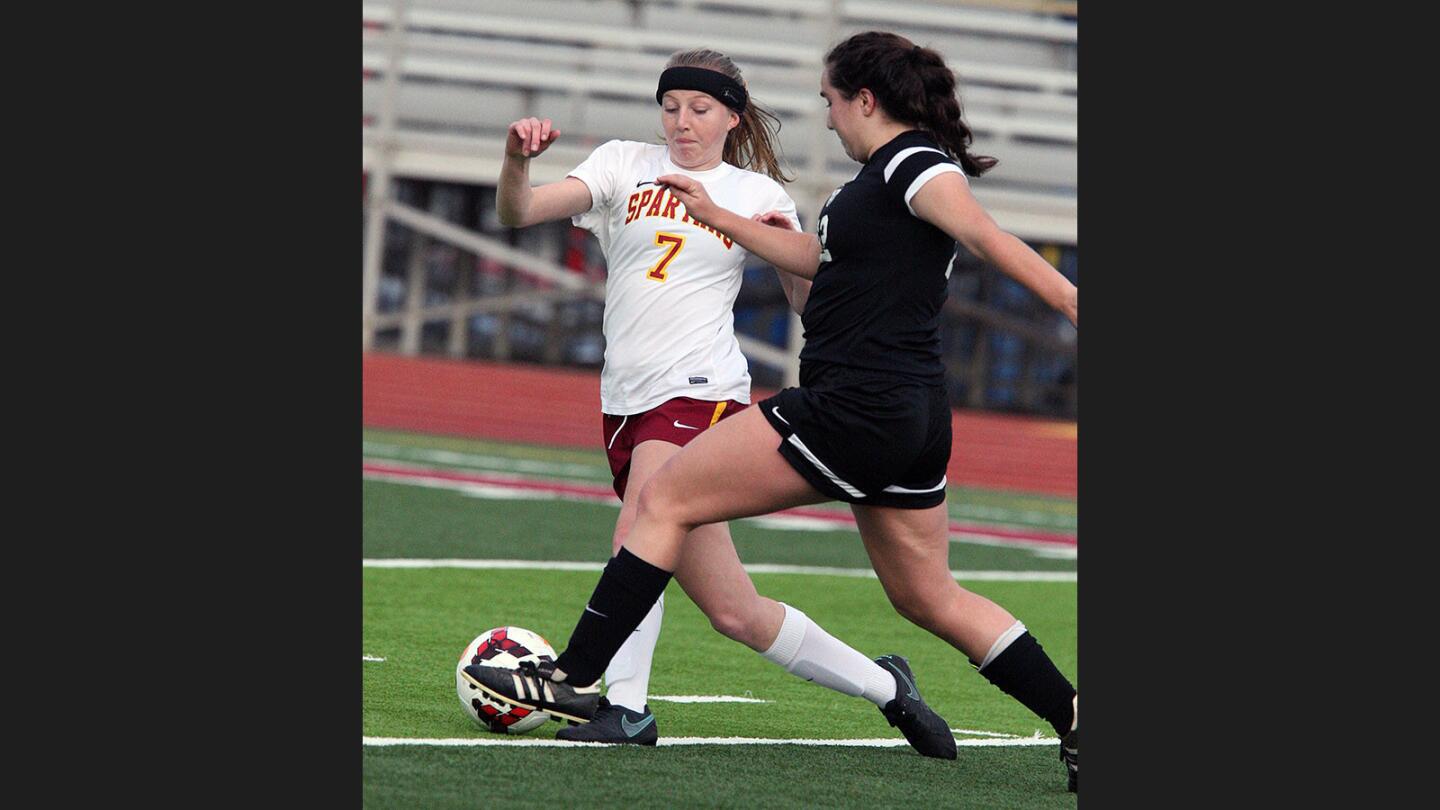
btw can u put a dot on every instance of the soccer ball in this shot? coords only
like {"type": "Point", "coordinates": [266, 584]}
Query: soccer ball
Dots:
{"type": "Point", "coordinates": [503, 647]}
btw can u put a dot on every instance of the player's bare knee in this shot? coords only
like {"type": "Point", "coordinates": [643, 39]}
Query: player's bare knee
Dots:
{"type": "Point", "coordinates": [735, 625]}
{"type": "Point", "coordinates": [659, 503]}
{"type": "Point", "coordinates": [919, 609]}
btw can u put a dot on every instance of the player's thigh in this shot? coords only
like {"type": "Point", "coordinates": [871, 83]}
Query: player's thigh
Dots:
{"type": "Point", "coordinates": [645, 460]}
{"type": "Point", "coordinates": [730, 471]}
{"type": "Point", "coordinates": [909, 550]}
{"type": "Point", "coordinates": [709, 570]}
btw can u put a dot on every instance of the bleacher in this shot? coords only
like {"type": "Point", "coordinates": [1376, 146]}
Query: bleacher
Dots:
{"type": "Point", "coordinates": [467, 69]}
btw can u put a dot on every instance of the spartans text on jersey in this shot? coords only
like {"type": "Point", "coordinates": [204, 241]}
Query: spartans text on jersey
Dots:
{"type": "Point", "coordinates": [648, 203]}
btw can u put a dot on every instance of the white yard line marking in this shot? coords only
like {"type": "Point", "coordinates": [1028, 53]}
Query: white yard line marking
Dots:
{"type": "Point", "coordinates": [1020, 519]}
{"type": "Point", "coordinates": [753, 568]}
{"type": "Point", "coordinates": [590, 472]}
{"type": "Point", "coordinates": [550, 743]}
{"type": "Point", "coordinates": [372, 658]}
{"type": "Point", "coordinates": [509, 486]}
{"type": "Point", "coordinates": [399, 472]}
{"type": "Point", "coordinates": [706, 699]}
{"type": "Point", "coordinates": [997, 734]}
{"type": "Point", "coordinates": [1014, 518]}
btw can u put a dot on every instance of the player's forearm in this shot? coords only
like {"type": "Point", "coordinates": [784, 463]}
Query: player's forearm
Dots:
{"type": "Point", "coordinates": [794, 252]}
{"type": "Point", "coordinates": [512, 198]}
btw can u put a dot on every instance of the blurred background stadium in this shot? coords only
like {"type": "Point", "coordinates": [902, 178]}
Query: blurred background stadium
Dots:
{"type": "Point", "coordinates": [445, 282]}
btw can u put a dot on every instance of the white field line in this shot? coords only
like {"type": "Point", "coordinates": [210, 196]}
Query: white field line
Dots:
{"type": "Point", "coordinates": [415, 476]}
{"type": "Point", "coordinates": [753, 568]}
{"type": "Point", "coordinates": [1039, 549]}
{"type": "Point", "coordinates": [1020, 519]}
{"type": "Point", "coordinates": [550, 743]}
{"type": "Point", "coordinates": [371, 658]}
{"type": "Point", "coordinates": [1023, 519]}
{"type": "Point", "coordinates": [587, 472]}
{"type": "Point", "coordinates": [707, 699]}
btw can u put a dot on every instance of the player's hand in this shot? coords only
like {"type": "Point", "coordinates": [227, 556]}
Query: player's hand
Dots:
{"type": "Point", "coordinates": [529, 137]}
{"type": "Point", "coordinates": [776, 219]}
{"type": "Point", "coordinates": [692, 193]}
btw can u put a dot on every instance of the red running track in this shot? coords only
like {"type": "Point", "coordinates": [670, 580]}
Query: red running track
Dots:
{"type": "Point", "coordinates": [562, 407]}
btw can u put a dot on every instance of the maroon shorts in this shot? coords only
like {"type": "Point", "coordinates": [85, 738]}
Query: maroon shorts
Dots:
{"type": "Point", "coordinates": [676, 421]}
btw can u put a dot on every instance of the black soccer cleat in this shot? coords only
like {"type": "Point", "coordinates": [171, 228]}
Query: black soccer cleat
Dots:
{"type": "Point", "coordinates": [614, 724]}
{"type": "Point", "coordinates": [530, 687]}
{"type": "Point", "coordinates": [927, 731]}
{"type": "Point", "coordinates": [1070, 755]}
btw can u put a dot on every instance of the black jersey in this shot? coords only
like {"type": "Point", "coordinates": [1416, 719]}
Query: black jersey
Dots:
{"type": "Point", "coordinates": [875, 303]}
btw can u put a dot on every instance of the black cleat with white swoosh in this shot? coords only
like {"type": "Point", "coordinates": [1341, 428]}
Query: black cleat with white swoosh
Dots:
{"type": "Point", "coordinates": [614, 724]}
{"type": "Point", "coordinates": [530, 687]}
{"type": "Point", "coordinates": [927, 731]}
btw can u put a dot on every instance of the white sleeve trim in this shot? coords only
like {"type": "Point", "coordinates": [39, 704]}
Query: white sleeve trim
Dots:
{"type": "Point", "coordinates": [608, 158]}
{"type": "Point", "coordinates": [904, 153]}
{"type": "Point", "coordinates": [925, 177]}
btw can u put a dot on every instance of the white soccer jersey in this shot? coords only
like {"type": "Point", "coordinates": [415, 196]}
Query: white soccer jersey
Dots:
{"type": "Point", "coordinates": [669, 324]}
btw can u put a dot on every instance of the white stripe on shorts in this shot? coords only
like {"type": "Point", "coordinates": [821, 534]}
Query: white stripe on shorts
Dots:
{"type": "Point", "coordinates": [617, 432]}
{"type": "Point", "coordinates": [904, 491]}
{"type": "Point", "coordinates": [819, 465]}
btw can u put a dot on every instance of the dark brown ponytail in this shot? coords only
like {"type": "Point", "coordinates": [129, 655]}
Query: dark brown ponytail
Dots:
{"type": "Point", "coordinates": [912, 84]}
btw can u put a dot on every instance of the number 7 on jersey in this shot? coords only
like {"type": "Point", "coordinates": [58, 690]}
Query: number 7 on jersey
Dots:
{"type": "Point", "coordinates": [675, 241]}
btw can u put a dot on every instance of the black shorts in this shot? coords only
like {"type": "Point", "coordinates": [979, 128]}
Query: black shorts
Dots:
{"type": "Point", "coordinates": [867, 439]}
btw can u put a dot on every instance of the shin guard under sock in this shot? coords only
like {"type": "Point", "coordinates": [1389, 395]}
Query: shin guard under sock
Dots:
{"type": "Point", "coordinates": [627, 590]}
{"type": "Point", "coordinates": [805, 650]}
{"type": "Point", "coordinates": [627, 677]}
{"type": "Point", "coordinates": [1023, 671]}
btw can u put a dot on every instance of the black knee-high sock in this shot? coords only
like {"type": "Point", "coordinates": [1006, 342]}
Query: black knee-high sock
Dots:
{"type": "Point", "coordinates": [627, 590]}
{"type": "Point", "coordinates": [1023, 671]}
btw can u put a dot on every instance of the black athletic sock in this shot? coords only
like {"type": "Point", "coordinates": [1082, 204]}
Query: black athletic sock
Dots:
{"type": "Point", "coordinates": [627, 590]}
{"type": "Point", "coordinates": [1023, 671]}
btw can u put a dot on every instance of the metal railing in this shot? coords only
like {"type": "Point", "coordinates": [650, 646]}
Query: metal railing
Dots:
{"type": "Point", "coordinates": [438, 76]}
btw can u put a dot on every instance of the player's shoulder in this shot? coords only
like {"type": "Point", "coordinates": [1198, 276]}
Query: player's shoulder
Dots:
{"type": "Point", "coordinates": [756, 182]}
{"type": "Point", "coordinates": [624, 149]}
{"type": "Point", "coordinates": [909, 149]}
{"type": "Point", "coordinates": [624, 160]}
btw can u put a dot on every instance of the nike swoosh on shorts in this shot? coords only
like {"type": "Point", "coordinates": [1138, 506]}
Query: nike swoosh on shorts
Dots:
{"type": "Point", "coordinates": [687, 427]}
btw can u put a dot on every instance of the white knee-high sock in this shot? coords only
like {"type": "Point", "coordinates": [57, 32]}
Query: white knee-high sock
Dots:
{"type": "Point", "coordinates": [627, 679]}
{"type": "Point", "coordinates": [804, 649]}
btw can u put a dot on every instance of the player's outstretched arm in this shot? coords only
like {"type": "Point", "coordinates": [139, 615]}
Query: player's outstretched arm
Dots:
{"type": "Point", "coordinates": [518, 204]}
{"type": "Point", "coordinates": [792, 251]}
{"type": "Point", "coordinates": [945, 201]}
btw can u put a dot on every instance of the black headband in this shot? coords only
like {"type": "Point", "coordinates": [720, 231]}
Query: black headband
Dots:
{"type": "Point", "coordinates": [727, 90]}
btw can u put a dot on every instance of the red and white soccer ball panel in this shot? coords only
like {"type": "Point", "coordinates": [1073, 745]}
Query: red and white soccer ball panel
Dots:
{"type": "Point", "coordinates": [503, 647]}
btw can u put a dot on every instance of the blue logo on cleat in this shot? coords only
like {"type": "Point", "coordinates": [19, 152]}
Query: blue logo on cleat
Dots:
{"type": "Point", "coordinates": [909, 687]}
{"type": "Point", "coordinates": [631, 729]}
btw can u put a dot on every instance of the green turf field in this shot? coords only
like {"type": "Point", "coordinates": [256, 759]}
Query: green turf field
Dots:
{"type": "Point", "coordinates": [418, 619]}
